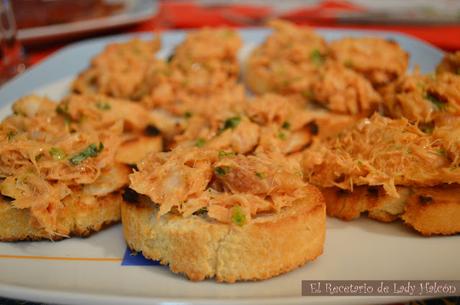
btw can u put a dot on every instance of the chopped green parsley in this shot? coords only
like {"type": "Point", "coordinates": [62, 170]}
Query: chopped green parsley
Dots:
{"type": "Point", "coordinates": [231, 123]}
{"type": "Point", "coordinates": [348, 63]}
{"type": "Point", "coordinates": [261, 175]}
{"type": "Point", "coordinates": [441, 152]}
{"type": "Point", "coordinates": [224, 154]}
{"type": "Point", "coordinates": [89, 152]}
{"type": "Point", "coordinates": [281, 135]}
{"type": "Point", "coordinates": [317, 58]}
{"type": "Point", "coordinates": [238, 216]}
{"type": "Point", "coordinates": [57, 153]}
{"type": "Point", "coordinates": [221, 170]}
{"type": "Point", "coordinates": [63, 110]}
{"type": "Point", "coordinates": [200, 142]}
{"type": "Point", "coordinates": [10, 135]}
{"type": "Point", "coordinates": [103, 106]}
{"type": "Point", "coordinates": [440, 105]}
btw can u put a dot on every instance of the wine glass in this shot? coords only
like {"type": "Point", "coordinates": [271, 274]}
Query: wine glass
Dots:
{"type": "Point", "coordinates": [12, 57]}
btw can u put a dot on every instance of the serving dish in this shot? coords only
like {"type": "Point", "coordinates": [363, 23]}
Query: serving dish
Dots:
{"type": "Point", "coordinates": [100, 269]}
{"type": "Point", "coordinates": [133, 11]}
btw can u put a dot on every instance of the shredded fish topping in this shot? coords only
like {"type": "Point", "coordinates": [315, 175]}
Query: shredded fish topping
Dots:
{"type": "Point", "coordinates": [230, 187]}
{"type": "Point", "coordinates": [386, 152]}
{"type": "Point", "coordinates": [49, 152]}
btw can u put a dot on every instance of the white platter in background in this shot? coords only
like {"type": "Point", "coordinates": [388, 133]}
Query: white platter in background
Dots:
{"type": "Point", "coordinates": [133, 11]}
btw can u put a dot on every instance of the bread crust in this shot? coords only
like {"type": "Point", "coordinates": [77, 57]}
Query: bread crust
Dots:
{"type": "Point", "coordinates": [201, 248]}
{"type": "Point", "coordinates": [434, 210]}
{"type": "Point", "coordinates": [76, 218]}
{"type": "Point", "coordinates": [429, 210]}
{"type": "Point", "coordinates": [348, 205]}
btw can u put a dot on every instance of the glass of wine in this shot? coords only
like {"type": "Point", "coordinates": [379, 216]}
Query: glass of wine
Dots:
{"type": "Point", "coordinates": [12, 57]}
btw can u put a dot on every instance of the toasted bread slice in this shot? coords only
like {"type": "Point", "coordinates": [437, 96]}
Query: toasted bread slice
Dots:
{"type": "Point", "coordinates": [380, 61]}
{"type": "Point", "coordinates": [434, 210]}
{"type": "Point", "coordinates": [58, 174]}
{"type": "Point", "coordinates": [133, 150]}
{"type": "Point", "coordinates": [219, 214]}
{"type": "Point", "coordinates": [274, 67]}
{"type": "Point", "coordinates": [77, 218]}
{"type": "Point", "coordinates": [449, 64]}
{"type": "Point", "coordinates": [119, 69]}
{"type": "Point", "coordinates": [429, 210]}
{"type": "Point", "coordinates": [201, 248]}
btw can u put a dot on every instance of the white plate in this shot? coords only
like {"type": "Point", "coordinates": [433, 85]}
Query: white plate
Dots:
{"type": "Point", "coordinates": [134, 11]}
{"type": "Point", "coordinates": [89, 271]}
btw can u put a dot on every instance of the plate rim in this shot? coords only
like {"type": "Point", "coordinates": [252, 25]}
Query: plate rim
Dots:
{"type": "Point", "coordinates": [142, 12]}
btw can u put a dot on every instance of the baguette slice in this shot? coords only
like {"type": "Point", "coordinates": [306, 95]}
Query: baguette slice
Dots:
{"type": "Point", "coordinates": [201, 248]}
{"type": "Point", "coordinates": [429, 210]}
{"type": "Point", "coordinates": [76, 218]}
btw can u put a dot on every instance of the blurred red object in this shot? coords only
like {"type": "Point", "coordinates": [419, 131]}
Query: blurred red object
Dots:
{"type": "Point", "coordinates": [36, 13]}
{"type": "Point", "coordinates": [191, 14]}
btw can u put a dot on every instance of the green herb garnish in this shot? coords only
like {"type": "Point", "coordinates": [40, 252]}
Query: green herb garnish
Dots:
{"type": "Point", "coordinates": [39, 156]}
{"type": "Point", "coordinates": [286, 82]}
{"type": "Point", "coordinates": [201, 211]}
{"type": "Point", "coordinates": [10, 135]}
{"type": "Point", "coordinates": [63, 110]}
{"type": "Point", "coordinates": [440, 105]}
{"type": "Point", "coordinates": [348, 63]}
{"type": "Point", "coordinates": [221, 170]}
{"type": "Point", "coordinates": [187, 114]}
{"type": "Point", "coordinates": [261, 175]}
{"type": "Point", "coordinates": [57, 153]}
{"type": "Point", "coordinates": [224, 154]}
{"type": "Point", "coordinates": [281, 135]}
{"type": "Point", "coordinates": [317, 58]}
{"type": "Point", "coordinates": [458, 71]}
{"type": "Point", "coordinates": [231, 123]}
{"type": "Point", "coordinates": [90, 152]}
{"type": "Point", "coordinates": [286, 125]}
{"type": "Point", "coordinates": [309, 95]}
{"type": "Point", "coordinates": [441, 152]}
{"type": "Point", "coordinates": [200, 142]}
{"type": "Point", "coordinates": [103, 106]}
{"type": "Point", "coordinates": [238, 216]}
